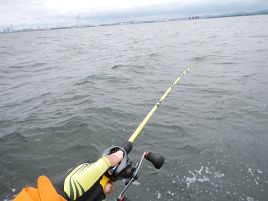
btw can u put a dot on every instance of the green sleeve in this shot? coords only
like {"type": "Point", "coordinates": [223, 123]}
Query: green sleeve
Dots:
{"type": "Point", "coordinates": [84, 176]}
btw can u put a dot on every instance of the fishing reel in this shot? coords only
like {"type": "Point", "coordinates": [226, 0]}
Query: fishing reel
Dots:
{"type": "Point", "coordinates": [122, 171]}
{"type": "Point", "coordinates": [126, 170]}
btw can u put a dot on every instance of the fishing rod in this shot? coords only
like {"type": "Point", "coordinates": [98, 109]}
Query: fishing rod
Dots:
{"type": "Point", "coordinates": [159, 101]}
{"type": "Point", "coordinates": [125, 170]}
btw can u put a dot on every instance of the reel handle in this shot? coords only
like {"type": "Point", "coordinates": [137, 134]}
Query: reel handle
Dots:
{"type": "Point", "coordinates": [155, 159]}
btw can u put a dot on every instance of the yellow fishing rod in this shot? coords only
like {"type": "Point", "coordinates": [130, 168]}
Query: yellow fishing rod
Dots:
{"type": "Point", "coordinates": [159, 101]}
{"type": "Point", "coordinates": [125, 169]}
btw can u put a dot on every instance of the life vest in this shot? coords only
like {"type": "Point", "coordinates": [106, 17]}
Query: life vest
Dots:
{"type": "Point", "coordinates": [44, 192]}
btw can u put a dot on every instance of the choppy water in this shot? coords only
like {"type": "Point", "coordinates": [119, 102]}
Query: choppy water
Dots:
{"type": "Point", "coordinates": [67, 94]}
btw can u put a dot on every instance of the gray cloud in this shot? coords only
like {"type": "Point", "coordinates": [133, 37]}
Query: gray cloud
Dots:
{"type": "Point", "coordinates": [21, 12]}
{"type": "Point", "coordinates": [172, 10]}
{"type": "Point", "coordinates": [29, 12]}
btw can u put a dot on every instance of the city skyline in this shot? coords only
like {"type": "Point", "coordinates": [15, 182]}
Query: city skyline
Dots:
{"type": "Point", "coordinates": [48, 13]}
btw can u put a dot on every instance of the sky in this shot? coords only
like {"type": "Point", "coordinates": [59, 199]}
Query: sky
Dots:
{"type": "Point", "coordinates": [49, 12]}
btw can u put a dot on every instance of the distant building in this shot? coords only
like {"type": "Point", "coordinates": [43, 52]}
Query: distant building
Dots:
{"type": "Point", "coordinates": [7, 30]}
{"type": "Point", "coordinates": [193, 18]}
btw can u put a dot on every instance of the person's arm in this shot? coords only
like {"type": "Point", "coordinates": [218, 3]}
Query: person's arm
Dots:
{"type": "Point", "coordinates": [80, 181]}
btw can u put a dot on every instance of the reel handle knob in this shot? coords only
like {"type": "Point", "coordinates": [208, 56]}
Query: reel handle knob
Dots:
{"type": "Point", "coordinates": [155, 159]}
{"type": "Point", "coordinates": [123, 199]}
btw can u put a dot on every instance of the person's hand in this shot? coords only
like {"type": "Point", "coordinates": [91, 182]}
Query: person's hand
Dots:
{"type": "Point", "coordinates": [115, 158]}
{"type": "Point", "coordinates": [109, 188]}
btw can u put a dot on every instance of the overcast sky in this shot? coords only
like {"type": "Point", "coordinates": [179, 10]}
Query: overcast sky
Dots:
{"type": "Point", "coordinates": [19, 12]}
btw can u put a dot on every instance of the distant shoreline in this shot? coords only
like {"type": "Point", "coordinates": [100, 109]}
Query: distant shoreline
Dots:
{"type": "Point", "coordinates": [237, 14]}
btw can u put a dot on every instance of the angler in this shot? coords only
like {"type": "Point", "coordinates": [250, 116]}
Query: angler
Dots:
{"type": "Point", "coordinates": [89, 181]}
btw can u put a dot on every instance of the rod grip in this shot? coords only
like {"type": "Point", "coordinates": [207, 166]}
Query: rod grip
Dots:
{"type": "Point", "coordinates": [127, 146]}
{"type": "Point", "coordinates": [155, 159]}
